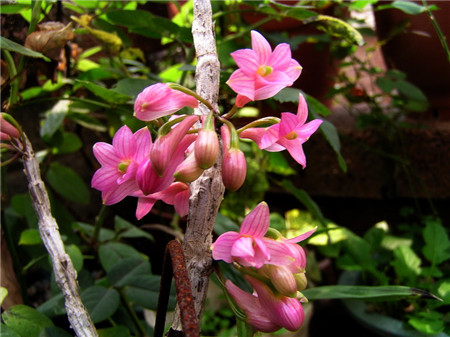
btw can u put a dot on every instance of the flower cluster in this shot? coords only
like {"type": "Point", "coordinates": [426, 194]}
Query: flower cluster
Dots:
{"type": "Point", "coordinates": [274, 266]}
{"type": "Point", "coordinates": [186, 145]}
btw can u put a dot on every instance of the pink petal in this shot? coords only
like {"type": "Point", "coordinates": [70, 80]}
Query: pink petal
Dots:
{"type": "Point", "coordinates": [181, 202]}
{"type": "Point", "coordinates": [278, 252]}
{"type": "Point", "coordinates": [302, 111]}
{"type": "Point", "coordinates": [288, 123]}
{"type": "Point", "coordinates": [242, 84]}
{"type": "Point", "coordinates": [302, 237]}
{"type": "Point", "coordinates": [144, 206]}
{"type": "Point", "coordinates": [241, 101]}
{"type": "Point", "coordinates": [243, 249]}
{"type": "Point", "coordinates": [262, 254]}
{"type": "Point", "coordinates": [306, 130]}
{"type": "Point", "coordinates": [105, 178]}
{"type": "Point", "coordinates": [294, 70]}
{"type": "Point", "coordinates": [124, 143]}
{"type": "Point", "coordinates": [105, 154]}
{"type": "Point", "coordinates": [281, 57]}
{"type": "Point", "coordinates": [246, 60]}
{"type": "Point", "coordinates": [295, 149]}
{"type": "Point", "coordinates": [256, 222]}
{"type": "Point", "coordinates": [143, 144]}
{"type": "Point", "coordinates": [115, 195]}
{"type": "Point", "coordinates": [221, 248]}
{"type": "Point", "coordinates": [270, 137]}
{"type": "Point", "coordinates": [255, 134]}
{"type": "Point", "coordinates": [261, 47]}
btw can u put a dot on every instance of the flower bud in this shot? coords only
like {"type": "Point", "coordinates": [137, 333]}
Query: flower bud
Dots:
{"type": "Point", "coordinates": [188, 170]}
{"type": "Point", "coordinates": [234, 169]}
{"type": "Point", "coordinates": [7, 130]}
{"type": "Point", "coordinates": [282, 279]}
{"type": "Point", "coordinates": [206, 148]}
{"type": "Point", "coordinates": [301, 281]}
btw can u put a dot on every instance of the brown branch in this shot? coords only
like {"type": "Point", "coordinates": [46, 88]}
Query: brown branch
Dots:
{"type": "Point", "coordinates": [207, 191]}
{"type": "Point", "coordinates": [65, 273]}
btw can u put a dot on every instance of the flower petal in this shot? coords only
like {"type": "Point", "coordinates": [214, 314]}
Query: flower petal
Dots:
{"type": "Point", "coordinates": [288, 123]}
{"type": "Point", "coordinates": [261, 47]}
{"type": "Point", "coordinates": [221, 248]}
{"type": "Point", "coordinates": [246, 60]}
{"type": "Point", "coordinates": [256, 222]}
{"type": "Point", "coordinates": [124, 143]}
{"type": "Point", "coordinates": [280, 57]}
{"type": "Point", "coordinates": [105, 154]}
{"type": "Point", "coordinates": [144, 206]}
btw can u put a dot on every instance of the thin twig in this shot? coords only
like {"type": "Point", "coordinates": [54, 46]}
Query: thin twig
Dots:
{"type": "Point", "coordinates": [65, 273]}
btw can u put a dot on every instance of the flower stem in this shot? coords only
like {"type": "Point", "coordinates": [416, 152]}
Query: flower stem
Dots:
{"type": "Point", "coordinates": [441, 35]}
{"type": "Point", "coordinates": [259, 122]}
{"type": "Point", "coordinates": [189, 92]}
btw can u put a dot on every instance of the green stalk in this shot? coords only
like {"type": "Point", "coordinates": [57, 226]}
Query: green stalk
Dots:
{"type": "Point", "coordinates": [132, 313]}
{"type": "Point", "coordinates": [231, 113]}
{"type": "Point", "coordinates": [189, 92]}
{"type": "Point", "coordinates": [259, 122]}
{"type": "Point", "coordinates": [441, 35]}
{"type": "Point", "coordinates": [99, 223]}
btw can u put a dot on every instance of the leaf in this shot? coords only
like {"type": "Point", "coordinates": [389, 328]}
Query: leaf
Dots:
{"type": "Point", "coordinates": [224, 224]}
{"type": "Point", "coordinates": [437, 244]}
{"type": "Point", "coordinates": [109, 95]}
{"type": "Point", "coordinates": [430, 323]}
{"type": "Point", "coordinates": [17, 48]}
{"type": "Point", "coordinates": [128, 272]}
{"type": "Point", "coordinates": [406, 263]}
{"type": "Point", "coordinates": [331, 135]}
{"type": "Point", "coordinates": [25, 321]}
{"type": "Point", "coordinates": [132, 86]}
{"type": "Point", "coordinates": [100, 302]}
{"type": "Point", "coordinates": [361, 292]}
{"type": "Point", "coordinates": [76, 256]}
{"type": "Point", "coordinates": [70, 143]}
{"type": "Point", "coordinates": [54, 118]}
{"type": "Point", "coordinates": [113, 252]}
{"type": "Point", "coordinates": [408, 7]}
{"type": "Point", "coordinates": [337, 28]}
{"type": "Point", "coordinates": [3, 294]}
{"type": "Point", "coordinates": [7, 331]}
{"type": "Point", "coordinates": [105, 233]}
{"type": "Point", "coordinates": [316, 106]}
{"type": "Point", "coordinates": [53, 331]}
{"type": "Point", "coordinates": [287, 95]}
{"type": "Point", "coordinates": [54, 306]}
{"type": "Point", "coordinates": [21, 203]}
{"type": "Point", "coordinates": [30, 237]}
{"type": "Point", "coordinates": [128, 230]}
{"type": "Point", "coordinates": [278, 164]}
{"type": "Point", "coordinates": [68, 183]}
{"type": "Point", "coordinates": [115, 331]}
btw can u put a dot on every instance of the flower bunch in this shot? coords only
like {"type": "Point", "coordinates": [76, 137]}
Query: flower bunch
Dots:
{"type": "Point", "coordinates": [186, 145]}
{"type": "Point", "coordinates": [273, 265]}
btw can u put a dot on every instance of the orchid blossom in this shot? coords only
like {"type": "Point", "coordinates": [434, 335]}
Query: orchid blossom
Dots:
{"type": "Point", "coordinates": [262, 72]}
{"type": "Point", "coordinates": [246, 247]}
{"type": "Point", "coordinates": [290, 133]}
{"type": "Point", "coordinates": [160, 100]}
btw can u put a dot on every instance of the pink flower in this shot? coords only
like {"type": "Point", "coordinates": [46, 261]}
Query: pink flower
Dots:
{"type": "Point", "coordinates": [119, 161]}
{"type": "Point", "coordinates": [256, 315]}
{"type": "Point", "coordinates": [246, 247]}
{"type": "Point", "coordinates": [7, 130]}
{"type": "Point", "coordinates": [289, 134]}
{"type": "Point", "coordinates": [159, 100]}
{"type": "Point", "coordinates": [234, 165]}
{"type": "Point", "coordinates": [206, 148]}
{"type": "Point", "coordinates": [262, 72]}
{"type": "Point", "coordinates": [266, 311]}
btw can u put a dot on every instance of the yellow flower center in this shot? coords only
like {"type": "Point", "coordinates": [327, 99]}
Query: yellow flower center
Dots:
{"type": "Point", "coordinates": [291, 135]}
{"type": "Point", "coordinates": [123, 166]}
{"type": "Point", "coordinates": [264, 70]}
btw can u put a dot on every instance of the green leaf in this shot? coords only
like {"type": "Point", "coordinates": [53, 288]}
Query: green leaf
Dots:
{"type": "Point", "coordinates": [30, 237]}
{"type": "Point", "coordinates": [115, 331]}
{"type": "Point", "coordinates": [132, 86]}
{"type": "Point", "coordinates": [7, 331]}
{"type": "Point", "coordinates": [100, 302]}
{"type": "Point", "coordinates": [3, 294]}
{"type": "Point", "coordinates": [54, 306]}
{"type": "Point", "coordinates": [408, 7]}
{"type": "Point", "coordinates": [430, 323]}
{"type": "Point", "coordinates": [21, 203]}
{"type": "Point", "coordinates": [385, 84]}
{"type": "Point", "coordinates": [25, 321]}
{"type": "Point", "coordinates": [109, 95]}
{"type": "Point", "coordinates": [70, 143]}
{"type": "Point", "coordinates": [54, 118]}
{"type": "Point", "coordinates": [128, 272]}
{"type": "Point", "coordinates": [331, 135]}
{"type": "Point", "coordinates": [105, 233]}
{"type": "Point", "coordinates": [13, 8]}
{"type": "Point", "coordinates": [113, 252]}
{"type": "Point", "coordinates": [9, 45]}
{"type": "Point", "coordinates": [305, 199]}
{"type": "Point", "coordinates": [68, 183]}
{"type": "Point", "coordinates": [360, 292]}
{"type": "Point", "coordinates": [316, 106]}
{"type": "Point", "coordinates": [224, 224]}
{"type": "Point", "coordinates": [146, 293]}
{"type": "Point", "coordinates": [337, 28]}
{"type": "Point", "coordinates": [410, 90]}
{"type": "Point", "coordinates": [53, 331]}
{"type": "Point", "coordinates": [287, 95]}
{"type": "Point", "coordinates": [128, 230]}
{"type": "Point", "coordinates": [76, 256]}
{"type": "Point", "coordinates": [278, 164]}
{"type": "Point", "coordinates": [443, 291]}
{"type": "Point", "coordinates": [437, 244]}
{"type": "Point", "coordinates": [406, 263]}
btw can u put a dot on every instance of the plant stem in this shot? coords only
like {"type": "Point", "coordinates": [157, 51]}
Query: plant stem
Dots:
{"type": "Point", "coordinates": [99, 223]}
{"type": "Point", "coordinates": [441, 35]}
{"type": "Point", "coordinates": [132, 313]}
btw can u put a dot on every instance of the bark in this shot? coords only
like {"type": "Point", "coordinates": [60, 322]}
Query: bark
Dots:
{"type": "Point", "coordinates": [65, 273]}
{"type": "Point", "coordinates": [207, 191]}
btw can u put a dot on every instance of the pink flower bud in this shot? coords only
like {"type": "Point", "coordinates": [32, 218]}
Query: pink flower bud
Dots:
{"type": "Point", "coordinates": [234, 169]}
{"type": "Point", "coordinates": [159, 100]}
{"type": "Point", "coordinates": [282, 279]}
{"type": "Point", "coordinates": [188, 170]}
{"type": "Point", "coordinates": [206, 148]}
{"type": "Point", "coordinates": [7, 130]}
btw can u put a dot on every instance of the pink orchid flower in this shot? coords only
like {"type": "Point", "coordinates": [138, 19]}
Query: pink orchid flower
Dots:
{"type": "Point", "coordinates": [159, 100]}
{"type": "Point", "coordinates": [119, 161]}
{"type": "Point", "coordinates": [256, 315]}
{"type": "Point", "coordinates": [289, 134]}
{"type": "Point", "coordinates": [262, 72]}
{"type": "Point", "coordinates": [246, 247]}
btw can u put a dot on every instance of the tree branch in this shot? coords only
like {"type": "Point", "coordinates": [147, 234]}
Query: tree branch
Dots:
{"type": "Point", "coordinates": [207, 191]}
{"type": "Point", "coordinates": [65, 273]}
